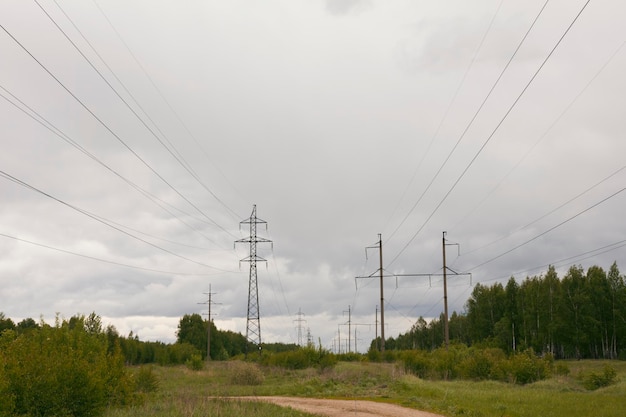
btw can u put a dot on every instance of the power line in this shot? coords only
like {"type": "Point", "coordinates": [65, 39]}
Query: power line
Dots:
{"type": "Point", "coordinates": [492, 134]}
{"type": "Point", "coordinates": [443, 118]}
{"type": "Point", "coordinates": [569, 260]}
{"type": "Point", "coordinates": [63, 136]}
{"type": "Point", "coordinates": [550, 212]}
{"type": "Point", "coordinates": [102, 220]}
{"type": "Point", "coordinates": [175, 154]}
{"type": "Point", "coordinates": [165, 100]}
{"type": "Point", "coordinates": [103, 124]}
{"type": "Point", "coordinates": [547, 231]}
{"type": "Point", "coordinates": [543, 136]}
{"type": "Point", "coordinates": [94, 258]}
{"type": "Point", "coordinates": [441, 167]}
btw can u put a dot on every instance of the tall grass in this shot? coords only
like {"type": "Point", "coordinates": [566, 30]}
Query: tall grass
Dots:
{"type": "Point", "coordinates": [183, 392]}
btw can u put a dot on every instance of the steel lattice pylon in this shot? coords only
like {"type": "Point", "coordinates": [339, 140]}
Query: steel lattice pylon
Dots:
{"type": "Point", "coordinates": [253, 325]}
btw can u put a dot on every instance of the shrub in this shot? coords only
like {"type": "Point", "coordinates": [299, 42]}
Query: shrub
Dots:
{"type": "Point", "coordinates": [482, 364]}
{"type": "Point", "coordinates": [195, 363]}
{"type": "Point", "coordinates": [594, 380]}
{"type": "Point", "coordinates": [303, 358]}
{"type": "Point", "coordinates": [526, 367]}
{"type": "Point", "coordinates": [146, 380]}
{"type": "Point", "coordinates": [374, 355]}
{"type": "Point", "coordinates": [446, 361]}
{"type": "Point", "coordinates": [562, 369]}
{"type": "Point", "coordinates": [244, 373]}
{"type": "Point", "coordinates": [416, 362]}
{"type": "Point", "coordinates": [63, 371]}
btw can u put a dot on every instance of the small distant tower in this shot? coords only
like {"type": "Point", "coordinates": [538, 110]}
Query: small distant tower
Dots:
{"type": "Point", "coordinates": [253, 326]}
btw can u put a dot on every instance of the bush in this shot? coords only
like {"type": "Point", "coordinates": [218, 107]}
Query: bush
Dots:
{"type": "Point", "coordinates": [244, 373]}
{"type": "Point", "coordinates": [62, 371]}
{"type": "Point", "coordinates": [416, 362]}
{"type": "Point", "coordinates": [482, 364]}
{"type": "Point", "coordinates": [446, 361]}
{"type": "Point", "coordinates": [526, 367]}
{"type": "Point", "coordinates": [302, 358]}
{"type": "Point", "coordinates": [594, 380]}
{"type": "Point", "coordinates": [374, 355]}
{"type": "Point", "coordinates": [195, 363]}
{"type": "Point", "coordinates": [562, 369]}
{"type": "Point", "coordinates": [146, 380]}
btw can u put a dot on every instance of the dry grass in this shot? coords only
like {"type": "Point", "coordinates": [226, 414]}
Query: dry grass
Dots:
{"type": "Point", "coordinates": [183, 392]}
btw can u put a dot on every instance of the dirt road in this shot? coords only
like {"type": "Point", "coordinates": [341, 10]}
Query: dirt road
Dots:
{"type": "Point", "coordinates": [341, 408]}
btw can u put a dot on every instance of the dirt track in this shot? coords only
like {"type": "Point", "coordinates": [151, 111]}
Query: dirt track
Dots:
{"type": "Point", "coordinates": [341, 408]}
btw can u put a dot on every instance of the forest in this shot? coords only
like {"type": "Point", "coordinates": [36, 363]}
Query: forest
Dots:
{"type": "Point", "coordinates": [581, 315]}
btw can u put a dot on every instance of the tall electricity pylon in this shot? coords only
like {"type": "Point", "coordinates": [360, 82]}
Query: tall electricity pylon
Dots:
{"type": "Point", "coordinates": [253, 326]}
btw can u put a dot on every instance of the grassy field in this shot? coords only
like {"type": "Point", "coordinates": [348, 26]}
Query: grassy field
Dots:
{"type": "Point", "coordinates": [183, 392]}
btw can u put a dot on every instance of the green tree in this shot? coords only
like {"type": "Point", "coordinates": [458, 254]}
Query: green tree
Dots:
{"type": "Point", "coordinates": [551, 290]}
{"type": "Point", "coordinates": [598, 323]}
{"type": "Point", "coordinates": [62, 371]}
{"type": "Point", "coordinates": [617, 288]}
{"type": "Point", "coordinates": [192, 329]}
{"type": "Point", "coordinates": [575, 305]}
{"type": "Point", "coordinates": [485, 308]}
{"type": "Point", "coordinates": [6, 323]}
{"type": "Point", "coordinates": [26, 325]}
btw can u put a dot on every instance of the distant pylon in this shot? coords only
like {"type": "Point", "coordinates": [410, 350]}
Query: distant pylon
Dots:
{"type": "Point", "coordinates": [253, 325]}
{"type": "Point", "coordinates": [300, 320]}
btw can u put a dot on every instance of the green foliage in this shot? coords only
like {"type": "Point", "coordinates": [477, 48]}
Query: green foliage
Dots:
{"type": "Point", "coordinates": [417, 362]}
{"type": "Point", "coordinates": [192, 329]}
{"type": "Point", "coordinates": [562, 369]}
{"type": "Point", "coordinates": [350, 357]}
{"type": "Point", "coordinates": [195, 363]}
{"type": "Point", "coordinates": [483, 364]}
{"type": "Point", "coordinates": [577, 316]}
{"type": "Point", "coordinates": [461, 362]}
{"type": "Point", "coordinates": [245, 373]}
{"type": "Point", "coordinates": [6, 323]}
{"type": "Point", "coordinates": [306, 357]}
{"type": "Point", "coordinates": [595, 380]}
{"type": "Point", "coordinates": [61, 371]}
{"type": "Point", "coordinates": [146, 380]}
{"type": "Point", "coordinates": [526, 367]}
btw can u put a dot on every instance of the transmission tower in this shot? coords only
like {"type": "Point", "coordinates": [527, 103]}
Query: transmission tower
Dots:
{"type": "Point", "coordinates": [300, 320]}
{"type": "Point", "coordinates": [253, 325]}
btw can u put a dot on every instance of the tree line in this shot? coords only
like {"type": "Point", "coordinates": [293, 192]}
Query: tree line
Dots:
{"type": "Point", "coordinates": [579, 315]}
{"type": "Point", "coordinates": [191, 340]}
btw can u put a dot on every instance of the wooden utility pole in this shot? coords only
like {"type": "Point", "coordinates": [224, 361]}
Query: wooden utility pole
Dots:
{"type": "Point", "coordinates": [446, 330]}
{"type": "Point", "coordinates": [349, 328]}
{"type": "Point", "coordinates": [376, 328]}
{"type": "Point", "coordinates": [382, 302]}
{"type": "Point", "coordinates": [379, 246]}
{"type": "Point", "coordinates": [446, 326]}
{"type": "Point", "coordinates": [209, 302]}
{"type": "Point", "coordinates": [208, 342]}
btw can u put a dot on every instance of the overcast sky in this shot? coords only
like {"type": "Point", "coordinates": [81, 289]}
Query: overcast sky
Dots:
{"type": "Point", "coordinates": [137, 135]}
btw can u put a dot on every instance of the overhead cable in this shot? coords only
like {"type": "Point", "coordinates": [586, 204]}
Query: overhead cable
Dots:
{"type": "Point", "coordinates": [491, 135]}
{"type": "Point", "coordinates": [59, 133]}
{"type": "Point", "coordinates": [547, 231]}
{"type": "Point", "coordinates": [119, 139]}
{"type": "Point", "coordinates": [95, 258]}
{"type": "Point", "coordinates": [471, 122]}
{"type": "Point", "coordinates": [175, 154]}
{"type": "Point", "coordinates": [167, 102]}
{"type": "Point", "coordinates": [543, 136]}
{"type": "Point", "coordinates": [102, 220]}
{"type": "Point", "coordinates": [443, 119]}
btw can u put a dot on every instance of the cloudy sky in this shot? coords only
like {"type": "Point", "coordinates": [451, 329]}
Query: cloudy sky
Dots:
{"type": "Point", "coordinates": [137, 135]}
